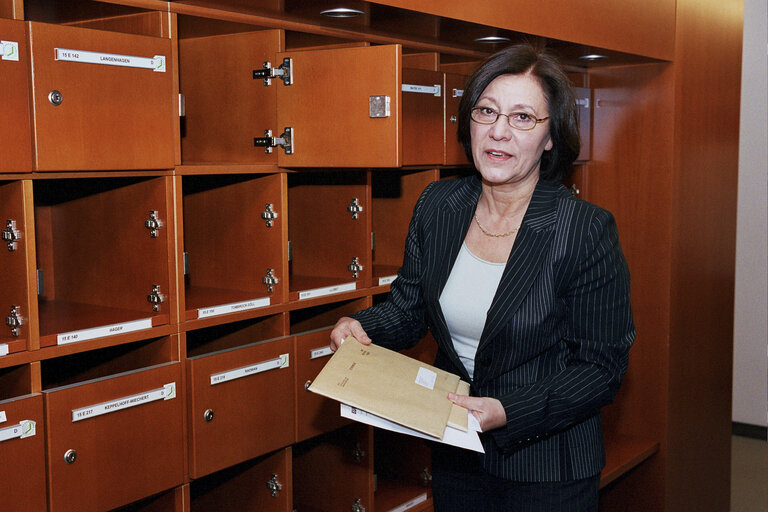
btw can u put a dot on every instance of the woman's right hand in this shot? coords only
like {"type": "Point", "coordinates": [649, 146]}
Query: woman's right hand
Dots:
{"type": "Point", "coordinates": [348, 327]}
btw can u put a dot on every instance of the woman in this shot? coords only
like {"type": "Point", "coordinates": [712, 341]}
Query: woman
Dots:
{"type": "Point", "coordinates": [526, 291]}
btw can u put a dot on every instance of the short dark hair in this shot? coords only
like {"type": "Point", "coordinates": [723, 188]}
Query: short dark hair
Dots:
{"type": "Point", "coordinates": [522, 59]}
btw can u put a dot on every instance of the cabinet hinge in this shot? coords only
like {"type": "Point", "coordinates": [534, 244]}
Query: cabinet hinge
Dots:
{"type": "Point", "coordinates": [285, 141]}
{"type": "Point", "coordinates": [284, 72]}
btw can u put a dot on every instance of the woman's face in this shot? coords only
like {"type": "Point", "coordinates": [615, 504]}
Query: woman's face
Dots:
{"type": "Point", "coordinates": [504, 154]}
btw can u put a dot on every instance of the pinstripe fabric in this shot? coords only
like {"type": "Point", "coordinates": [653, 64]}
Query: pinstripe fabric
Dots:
{"type": "Point", "coordinates": [557, 335]}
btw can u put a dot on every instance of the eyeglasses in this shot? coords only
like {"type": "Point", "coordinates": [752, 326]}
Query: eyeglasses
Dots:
{"type": "Point", "coordinates": [518, 120]}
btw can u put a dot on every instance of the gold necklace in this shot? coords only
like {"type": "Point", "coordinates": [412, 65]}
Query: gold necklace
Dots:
{"type": "Point", "coordinates": [494, 235]}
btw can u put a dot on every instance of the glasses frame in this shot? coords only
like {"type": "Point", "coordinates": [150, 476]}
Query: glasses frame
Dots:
{"type": "Point", "coordinates": [509, 119]}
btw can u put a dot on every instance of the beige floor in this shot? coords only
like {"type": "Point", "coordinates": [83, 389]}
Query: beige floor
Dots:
{"type": "Point", "coordinates": [749, 475]}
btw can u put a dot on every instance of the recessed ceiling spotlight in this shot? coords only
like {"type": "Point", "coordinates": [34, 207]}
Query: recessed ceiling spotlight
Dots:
{"type": "Point", "coordinates": [593, 56]}
{"type": "Point", "coordinates": [342, 12]}
{"type": "Point", "coordinates": [492, 39]}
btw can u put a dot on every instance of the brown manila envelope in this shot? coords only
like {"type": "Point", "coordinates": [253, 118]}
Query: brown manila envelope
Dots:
{"type": "Point", "coordinates": [393, 386]}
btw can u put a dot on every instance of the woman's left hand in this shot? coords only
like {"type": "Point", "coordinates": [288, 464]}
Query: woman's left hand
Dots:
{"type": "Point", "coordinates": [488, 411]}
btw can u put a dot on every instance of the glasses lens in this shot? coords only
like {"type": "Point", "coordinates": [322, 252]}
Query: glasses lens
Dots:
{"type": "Point", "coordinates": [484, 115]}
{"type": "Point", "coordinates": [522, 121]}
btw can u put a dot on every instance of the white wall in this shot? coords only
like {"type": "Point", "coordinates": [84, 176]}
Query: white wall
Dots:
{"type": "Point", "coordinates": [750, 361]}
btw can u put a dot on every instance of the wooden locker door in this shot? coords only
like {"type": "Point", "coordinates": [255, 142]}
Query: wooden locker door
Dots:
{"type": "Point", "coordinates": [241, 404]}
{"type": "Point", "coordinates": [226, 107]}
{"type": "Point", "coordinates": [328, 107]}
{"type": "Point", "coordinates": [335, 472]}
{"type": "Point", "coordinates": [16, 143]}
{"type": "Point", "coordinates": [114, 440]}
{"type": "Point", "coordinates": [315, 414]}
{"type": "Point", "coordinates": [22, 445]}
{"type": "Point", "coordinates": [422, 117]}
{"type": "Point", "coordinates": [454, 89]}
{"type": "Point", "coordinates": [18, 241]}
{"type": "Point", "coordinates": [231, 246]}
{"type": "Point", "coordinates": [109, 116]}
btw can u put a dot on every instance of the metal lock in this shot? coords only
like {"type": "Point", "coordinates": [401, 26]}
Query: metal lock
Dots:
{"type": "Point", "coordinates": [358, 453]}
{"type": "Point", "coordinates": [10, 234]}
{"type": "Point", "coordinates": [269, 214]}
{"type": "Point", "coordinates": [153, 223]}
{"type": "Point", "coordinates": [453, 119]}
{"type": "Point", "coordinates": [378, 107]}
{"type": "Point", "coordinates": [155, 297]}
{"type": "Point", "coordinates": [357, 506]}
{"type": "Point", "coordinates": [574, 190]}
{"type": "Point", "coordinates": [274, 486]}
{"type": "Point", "coordinates": [355, 208]}
{"type": "Point", "coordinates": [307, 384]}
{"type": "Point", "coordinates": [270, 280]}
{"type": "Point", "coordinates": [355, 267]}
{"type": "Point", "coordinates": [70, 456]}
{"type": "Point", "coordinates": [55, 97]}
{"type": "Point", "coordinates": [14, 320]}
{"type": "Point", "coordinates": [208, 415]}
{"type": "Point", "coordinates": [426, 477]}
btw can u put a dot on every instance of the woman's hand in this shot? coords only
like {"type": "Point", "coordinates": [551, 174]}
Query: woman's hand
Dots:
{"type": "Point", "coordinates": [488, 411]}
{"type": "Point", "coordinates": [348, 327]}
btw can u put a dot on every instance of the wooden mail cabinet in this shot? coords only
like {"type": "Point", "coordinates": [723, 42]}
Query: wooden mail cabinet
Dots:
{"type": "Point", "coordinates": [334, 471]}
{"type": "Point", "coordinates": [393, 196]}
{"type": "Point", "coordinates": [17, 256]}
{"type": "Point", "coordinates": [114, 421]}
{"type": "Point", "coordinates": [174, 500]}
{"type": "Point", "coordinates": [241, 392]}
{"type": "Point", "coordinates": [329, 233]}
{"type": "Point", "coordinates": [235, 239]}
{"type": "Point", "coordinates": [16, 145]}
{"type": "Point", "coordinates": [103, 256]}
{"type": "Point", "coordinates": [315, 414]}
{"type": "Point", "coordinates": [102, 99]}
{"type": "Point", "coordinates": [264, 484]}
{"type": "Point", "coordinates": [22, 439]}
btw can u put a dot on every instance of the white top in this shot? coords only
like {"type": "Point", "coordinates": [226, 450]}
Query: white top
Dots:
{"type": "Point", "coordinates": [465, 300]}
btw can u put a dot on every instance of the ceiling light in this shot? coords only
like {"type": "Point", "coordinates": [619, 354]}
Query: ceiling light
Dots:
{"type": "Point", "coordinates": [492, 39]}
{"type": "Point", "coordinates": [341, 12]}
{"type": "Point", "coordinates": [593, 56]}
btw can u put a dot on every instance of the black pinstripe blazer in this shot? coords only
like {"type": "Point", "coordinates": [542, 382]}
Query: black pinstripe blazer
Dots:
{"type": "Point", "coordinates": [557, 334]}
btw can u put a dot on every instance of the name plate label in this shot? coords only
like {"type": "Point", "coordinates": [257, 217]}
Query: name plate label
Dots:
{"type": "Point", "coordinates": [156, 63]}
{"type": "Point", "coordinates": [434, 90]}
{"type": "Point", "coordinates": [238, 373]}
{"type": "Point", "coordinates": [3, 349]}
{"type": "Point", "coordinates": [233, 307]}
{"type": "Point", "coordinates": [25, 428]}
{"type": "Point", "coordinates": [320, 352]}
{"type": "Point", "coordinates": [107, 330]}
{"type": "Point", "coordinates": [3, 417]}
{"type": "Point", "coordinates": [9, 50]}
{"type": "Point", "coordinates": [167, 392]}
{"type": "Point", "coordinates": [421, 498]}
{"type": "Point", "coordinates": [387, 279]}
{"type": "Point", "coordinates": [328, 290]}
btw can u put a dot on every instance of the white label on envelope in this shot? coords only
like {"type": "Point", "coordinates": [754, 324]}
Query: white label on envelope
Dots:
{"type": "Point", "coordinates": [165, 393]}
{"type": "Point", "coordinates": [9, 50]}
{"type": "Point", "coordinates": [426, 378]}
{"type": "Point", "coordinates": [3, 349]}
{"type": "Point", "coordinates": [107, 330]}
{"type": "Point", "coordinates": [233, 307]}
{"type": "Point", "coordinates": [328, 290]}
{"type": "Point", "coordinates": [156, 63]}
{"type": "Point", "coordinates": [238, 373]}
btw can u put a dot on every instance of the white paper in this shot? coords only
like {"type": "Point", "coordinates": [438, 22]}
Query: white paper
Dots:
{"type": "Point", "coordinates": [107, 330]}
{"type": "Point", "coordinates": [233, 307]}
{"type": "Point", "coordinates": [328, 290]}
{"type": "Point", "coordinates": [468, 440]}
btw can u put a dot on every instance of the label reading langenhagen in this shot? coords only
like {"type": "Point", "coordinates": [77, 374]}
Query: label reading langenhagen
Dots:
{"type": "Point", "coordinates": [167, 392]}
{"type": "Point", "coordinates": [9, 50]}
{"type": "Point", "coordinates": [156, 63]}
{"type": "Point", "coordinates": [281, 362]}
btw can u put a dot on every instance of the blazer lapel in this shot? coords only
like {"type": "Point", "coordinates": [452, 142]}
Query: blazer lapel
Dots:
{"type": "Point", "coordinates": [525, 260]}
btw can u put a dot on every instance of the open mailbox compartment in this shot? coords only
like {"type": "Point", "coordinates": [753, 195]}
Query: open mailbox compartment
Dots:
{"type": "Point", "coordinates": [103, 256]}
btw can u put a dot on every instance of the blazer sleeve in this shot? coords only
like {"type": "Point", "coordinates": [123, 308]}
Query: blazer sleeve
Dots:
{"type": "Point", "coordinates": [400, 321]}
{"type": "Point", "coordinates": [599, 332]}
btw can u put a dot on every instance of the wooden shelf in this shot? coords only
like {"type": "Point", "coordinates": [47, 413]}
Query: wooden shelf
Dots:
{"type": "Point", "coordinates": [622, 455]}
